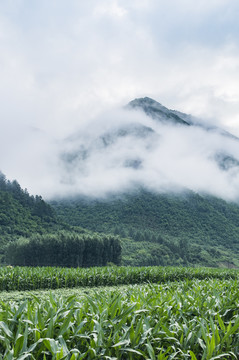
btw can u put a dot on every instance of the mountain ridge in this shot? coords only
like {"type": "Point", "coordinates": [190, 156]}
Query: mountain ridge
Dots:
{"type": "Point", "coordinates": [155, 109]}
{"type": "Point", "coordinates": [158, 111]}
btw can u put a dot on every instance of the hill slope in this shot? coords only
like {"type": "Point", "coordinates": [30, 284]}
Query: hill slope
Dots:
{"type": "Point", "coordinates": [171, 229]}
{"type": "Point", "coordinates": [22, 214]}
{"type": "Point", "coordinates": [31, 234]}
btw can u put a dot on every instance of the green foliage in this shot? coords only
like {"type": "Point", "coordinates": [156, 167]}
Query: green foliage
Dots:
{"type": "Point", "coordinates": [154, 229]}
{"type": "Point", "coordinates": [192, 319]}
{"type": "Point", "coordinates": [64, 249]}
{"type": "Point", "coordinates": [184, 229]}
{"type": "Point", "coordinates": [32, 278]}
{"type": "Point", "coordinates": [22, 214]}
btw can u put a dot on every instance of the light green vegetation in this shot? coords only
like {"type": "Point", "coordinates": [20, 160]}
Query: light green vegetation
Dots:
{"type": "Point", "coordinates": [32, 278]}
{"type": "Point", "coordinates": [190, 319]}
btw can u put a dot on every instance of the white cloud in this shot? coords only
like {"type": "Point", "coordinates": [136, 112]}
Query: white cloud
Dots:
{"type": "Point", "coordinates": [170, 159]}
{"type": "Point", "coordinates": [62, 65]}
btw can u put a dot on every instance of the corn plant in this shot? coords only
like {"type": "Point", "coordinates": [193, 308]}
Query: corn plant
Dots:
{"type": "Point", "coordinates": [31, 278]}
{"type": "Point", "coordinates": [192, 319]}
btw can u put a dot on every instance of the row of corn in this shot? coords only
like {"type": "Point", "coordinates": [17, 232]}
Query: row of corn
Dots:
{"type": "Point", "coordinates": [32, 278]}
{"type": "Point", "coordinates": [194, 319]}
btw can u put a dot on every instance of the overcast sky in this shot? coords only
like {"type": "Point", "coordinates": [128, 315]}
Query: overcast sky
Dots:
{"type": "Point", "coordinates": [63, 63]}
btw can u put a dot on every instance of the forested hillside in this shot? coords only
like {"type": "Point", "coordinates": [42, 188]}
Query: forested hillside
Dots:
{"type": "Point", "coordinates": [162, 229]}
{"type": "Point", "coordinates": [155, 229]}
{"type": "Point", "coordinates": [22, 214]}
{"type": "Point", "coordinates": [31, 234]}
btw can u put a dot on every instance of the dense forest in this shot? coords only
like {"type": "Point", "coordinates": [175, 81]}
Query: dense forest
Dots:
{"type": "Point", "coordinates": [66, 249]}
{"type": "Point", "coordinates": [162, 229]}
{"type": "Point", "coordinates": [22, 214]}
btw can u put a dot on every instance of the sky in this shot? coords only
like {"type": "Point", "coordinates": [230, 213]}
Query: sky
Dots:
{"type": "Point", "coordinates": [64, 64]}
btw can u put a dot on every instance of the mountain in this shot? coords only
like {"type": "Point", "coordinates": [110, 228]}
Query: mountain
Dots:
{"type": "Point", "coordinates": [161, 224]}
{"type": "Point", "coordinates": [148, 145]}
{"type": "Point", "coordinates": [153, 176]}
{"type": "Point", "coordinates": [160, 113]}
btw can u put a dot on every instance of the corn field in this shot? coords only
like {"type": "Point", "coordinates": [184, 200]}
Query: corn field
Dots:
{"type": "Point", "coordinates": [191, 319]}
{"type": "Point", "coordinates": [32, 278]}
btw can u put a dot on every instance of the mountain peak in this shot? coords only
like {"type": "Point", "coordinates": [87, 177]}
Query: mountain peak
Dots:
{"type": "Point", "coordinates": [158, 112]}
{"type": "Point", "coordinates": [144, 101]}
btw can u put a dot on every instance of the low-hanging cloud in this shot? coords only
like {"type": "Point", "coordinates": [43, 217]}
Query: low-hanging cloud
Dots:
{"type": "Point", "coordinates": [122, 150]}
{"type": "Point", "coordinates": [125, 149]}
{"type": "Point", "coordinates": [58, 59]}
{"type": "Point", "coordinates": [63, 64]}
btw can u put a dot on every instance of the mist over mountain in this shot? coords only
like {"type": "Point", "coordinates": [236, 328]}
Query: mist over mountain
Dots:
{"type": "Point", "coordinates": [142, 144]}
{"type": "Point", "coordinates": [147, 145]}
{"type": "Point", "coordinates": [155, 177]}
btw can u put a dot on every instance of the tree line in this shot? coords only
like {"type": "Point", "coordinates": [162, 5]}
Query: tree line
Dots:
{"type": "Point", "coordinates": [35, 204]}
{"type": "Point", "coordinates": [66, 249]}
